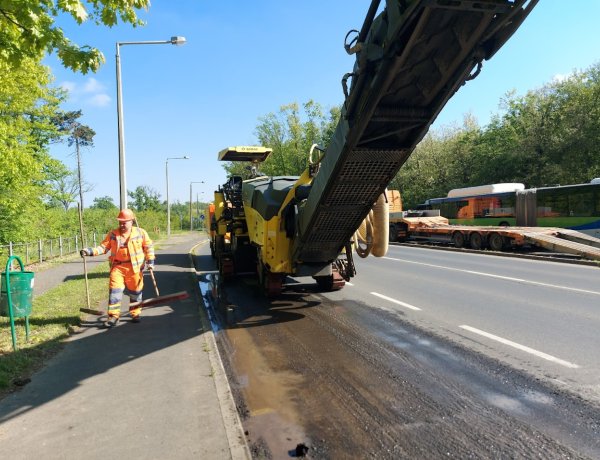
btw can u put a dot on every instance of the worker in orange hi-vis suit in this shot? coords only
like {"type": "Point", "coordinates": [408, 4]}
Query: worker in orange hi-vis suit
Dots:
{"type": "Point", "coordinates": [131, 250]}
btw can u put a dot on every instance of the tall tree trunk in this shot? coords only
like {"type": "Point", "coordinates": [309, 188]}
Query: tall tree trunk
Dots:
{"type": "Point", "coordinates": [80, 179]}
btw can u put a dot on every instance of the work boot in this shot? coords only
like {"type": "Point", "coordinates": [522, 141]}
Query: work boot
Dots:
{"type": "Point", "coordinates": [111, 321]}
{"type": "Point", "coordinates": [135, 319]}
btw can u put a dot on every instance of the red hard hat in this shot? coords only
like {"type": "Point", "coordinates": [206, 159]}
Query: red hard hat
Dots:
{"type": "Point", "coordinates": [125, 215]}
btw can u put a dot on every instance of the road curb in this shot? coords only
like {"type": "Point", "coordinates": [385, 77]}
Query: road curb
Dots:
{"type": "Point", "coordinates": [231, 421]}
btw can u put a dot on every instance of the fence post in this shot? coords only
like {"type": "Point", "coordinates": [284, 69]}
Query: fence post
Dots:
{"type": "Point", "coordinates": [76, 244]}
{"type": "Point", "coordinates": [95, 239]}
{"type": "Point", "coordinates": [60, 245]}
{"type": "Point", "coordinates": [51, 255]}
{"type": "Point", "coordinates": [10, 248]}
{"type": "Point", "coordinates": [27, 253]}
{"type": "Point", "coordinates": [40, 253]}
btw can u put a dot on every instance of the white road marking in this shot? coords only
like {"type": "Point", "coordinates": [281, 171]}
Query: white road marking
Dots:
{"type": "Point", "coordinates": [403, 304]}
{"type": "Point", "coordinates": [490, 275]}
{"type": "Point", "coordinates": [518, 346]}
{"type": "Point", "coordinates": [349, 284]}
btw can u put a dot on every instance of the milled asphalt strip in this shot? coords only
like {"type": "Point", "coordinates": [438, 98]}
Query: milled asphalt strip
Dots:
{"type": "Point", "coordinates": [231, 420]}
{"type": "Point", "coordinates": [489, 275]}
{"type": "Point", "coordinates": [521, 347]}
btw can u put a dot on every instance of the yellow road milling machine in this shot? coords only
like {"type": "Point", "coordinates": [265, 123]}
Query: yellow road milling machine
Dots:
{"type": "Point", "coordinates": [411, 57]}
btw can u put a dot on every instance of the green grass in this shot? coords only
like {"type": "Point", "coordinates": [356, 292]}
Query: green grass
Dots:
{"type": "Point", "coordinates": [55, 315]}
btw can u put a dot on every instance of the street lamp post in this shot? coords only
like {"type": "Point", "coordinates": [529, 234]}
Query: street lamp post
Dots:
{"type": "Point", "coordinates": [206, 225]}
{"type": "Point", "coordinates": [168, 203]}
{"type": "Point", "coordinates": [122, 175]}
{"type": "Point", "coordinates": [200, 182]}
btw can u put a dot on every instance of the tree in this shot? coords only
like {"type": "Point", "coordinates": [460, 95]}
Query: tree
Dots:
{"type": "Point", "coordinates": [62, 186]}
{"type": "Point", "coordinates": [145, 199]}
{"type": "Point", "coordinates": [548, 136]}
{"type": "Point", "coordinates": [28, 30]}
{"type": "Point", "coordinates": [78, 135]}
{"type": "Point", "coordinates": [290, 134]}
{"type": "Point", "coordinates": [440, 162]}
{"type": "Point", "coordinates": [27, 109]}
{"type": "Point", "coordinates": [104, 202]}
{"type": "Point", "coordinates": [182, 211]}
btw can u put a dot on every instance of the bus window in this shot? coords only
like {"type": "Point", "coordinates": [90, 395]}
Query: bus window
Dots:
{"type": "Point", "coordinates": [552, 205]}
{"type": "Point", "coordinates": [581, 203]}
{"type": "Point", "coordinates": [453, 209]}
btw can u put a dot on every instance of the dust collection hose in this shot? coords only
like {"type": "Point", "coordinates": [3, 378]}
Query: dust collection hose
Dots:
{"type": "Point", "coordinates": [373, 234]}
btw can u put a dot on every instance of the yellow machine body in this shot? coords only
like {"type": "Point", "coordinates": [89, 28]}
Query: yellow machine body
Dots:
{"type": "Point", "coordinates": [269, 236]}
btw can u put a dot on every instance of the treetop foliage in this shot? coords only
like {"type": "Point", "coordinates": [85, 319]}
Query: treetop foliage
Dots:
{"type": "Point", "coordinates": [290, 133]}
{"type": "Point", "coordinates": [144, 198]}
{"type": "Point", "coordinates": [27, 109]}
{"type": "Point", "coordinates": [27, 29]}
{"type": "Point", "coordinates": [548, 136]}
{"type": "Point", "coordinates": [104, 202]}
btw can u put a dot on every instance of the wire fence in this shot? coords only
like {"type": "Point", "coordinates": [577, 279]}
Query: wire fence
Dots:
{"type": "Point", "coordinates": [44, 249]}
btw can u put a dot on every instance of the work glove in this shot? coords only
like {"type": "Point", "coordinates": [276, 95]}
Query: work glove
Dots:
{"type": "Point", "coordinates": [150, 265]}
{"type": "Point", "coordinates": [84, 252]}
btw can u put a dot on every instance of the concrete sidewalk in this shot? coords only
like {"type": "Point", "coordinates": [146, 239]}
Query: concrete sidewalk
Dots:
{"type": "Point", "coordinates": [138, 391]}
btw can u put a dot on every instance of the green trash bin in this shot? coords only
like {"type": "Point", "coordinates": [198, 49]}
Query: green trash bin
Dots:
{"type": "Point", "coordinates": [16, 295]}
{"type": "Point", "coordinates": [21, 294]}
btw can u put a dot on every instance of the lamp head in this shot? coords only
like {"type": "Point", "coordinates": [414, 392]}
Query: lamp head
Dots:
{"type": "Point", "coordinates": [177, 40]}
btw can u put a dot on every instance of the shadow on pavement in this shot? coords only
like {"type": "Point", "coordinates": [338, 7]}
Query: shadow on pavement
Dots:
{"type": "Point", "coordinates": [93, 352]}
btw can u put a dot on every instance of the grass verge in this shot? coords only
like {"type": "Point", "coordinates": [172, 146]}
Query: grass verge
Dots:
{"type": "Point", "coordinates": [55, 315]}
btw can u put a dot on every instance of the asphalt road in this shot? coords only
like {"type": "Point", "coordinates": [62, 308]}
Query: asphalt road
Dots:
{"type": "Point", "coordinates": [383, 368]}
{"type": "Point", "coordinates": [539, 316]}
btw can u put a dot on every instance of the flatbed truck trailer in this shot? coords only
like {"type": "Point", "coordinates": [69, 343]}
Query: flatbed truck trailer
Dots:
{"type": "Point", "coordinates": [429, 224]}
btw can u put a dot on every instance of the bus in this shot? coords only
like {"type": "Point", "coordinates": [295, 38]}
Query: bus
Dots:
{"type": "Point", "coordinates": [575, 207]}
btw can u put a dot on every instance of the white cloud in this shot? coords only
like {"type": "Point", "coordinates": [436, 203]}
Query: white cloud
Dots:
{"type": "Point", "coordinates": [91, 92]}
{"type": "Point", "coordinates": [99, 100]}
{"type": "Point", "coordinates": [93, 86]}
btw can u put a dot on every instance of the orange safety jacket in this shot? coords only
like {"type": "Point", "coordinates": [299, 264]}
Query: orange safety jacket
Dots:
{"type": "Point", "coordinates": [139, 246]}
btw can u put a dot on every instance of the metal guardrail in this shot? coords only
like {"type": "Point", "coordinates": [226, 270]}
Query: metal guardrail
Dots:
{"type": "Point", "coordinates": [44, 249]}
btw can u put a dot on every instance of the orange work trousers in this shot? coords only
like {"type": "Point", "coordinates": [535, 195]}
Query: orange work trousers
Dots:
{"type": "Point", "coordinates": [122, 277]}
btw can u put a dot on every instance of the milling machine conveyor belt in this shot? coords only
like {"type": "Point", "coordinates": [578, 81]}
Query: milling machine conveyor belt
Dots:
{"type": "Point", "coordinates": [410, 60]}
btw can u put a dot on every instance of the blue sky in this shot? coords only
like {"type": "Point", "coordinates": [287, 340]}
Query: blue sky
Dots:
{"type": "Point", "coordinates": [243, 60]}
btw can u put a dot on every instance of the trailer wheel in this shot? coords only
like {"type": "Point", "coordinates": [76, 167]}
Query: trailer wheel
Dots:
{"type": "Point", "coordinates": [393, 234]}
{"type": "Point", "coordinates": [477, 241]}
{"type": "Point", "coordinates": [496, 242]}
{"type": "Point", "coordinates": [402, 232]}
{"type": "Point", "coordinates": [458, 238]}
